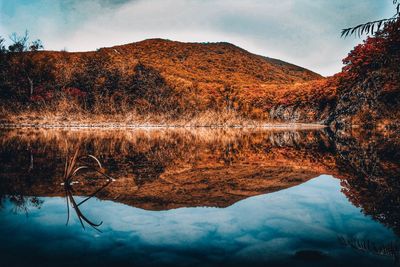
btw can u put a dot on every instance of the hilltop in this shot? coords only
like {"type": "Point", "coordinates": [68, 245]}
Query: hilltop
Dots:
{"type": "Point", "coordinates": [218, 63]}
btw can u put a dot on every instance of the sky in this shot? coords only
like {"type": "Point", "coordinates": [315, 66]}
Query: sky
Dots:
{"type": "Point", "coordinates": [302, 32]}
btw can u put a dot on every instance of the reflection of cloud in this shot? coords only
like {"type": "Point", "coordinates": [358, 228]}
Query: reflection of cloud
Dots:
{"type": "Point", "coordinates": [299, 31]}
{"type": "Point", "coordinates": [267, 227]}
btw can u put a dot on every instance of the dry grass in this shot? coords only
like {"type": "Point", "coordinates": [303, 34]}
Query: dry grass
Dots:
{"type": "Point", "coordinates": [66, 112]}
{"type": "Point", "coordinates": [70, 113]}
{"type": "Point", "coordinates": [209, 119]}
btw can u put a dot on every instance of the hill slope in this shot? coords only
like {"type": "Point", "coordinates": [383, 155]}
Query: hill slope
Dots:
{"type": "Point", "coordinates": [170, 78]}
{"type": "Point", "coordinates": [209, 62]}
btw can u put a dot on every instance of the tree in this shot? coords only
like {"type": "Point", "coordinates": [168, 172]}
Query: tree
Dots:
{"type": "Point", "coordinates": [36, 45]}
{"type": "Point", "coordinates": [19, 43]}
{"type": "Point", "coordinates": [3, 49]}
{"type": "Point", "coordinates": [380, 52]}
{"type": "Point", "coordinates": [3, 65]}
{"type": "Point", "coordinates": [23, 62]}
{"type": "Point", "coordinates": [368, 89]}
{"type": "Point", "coordinates": [372, 26]}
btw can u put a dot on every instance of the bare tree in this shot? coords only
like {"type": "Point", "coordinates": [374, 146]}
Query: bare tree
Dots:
{"type": "Point", "coordinates": [3, 49]}
{"type": "Point", "coordinates": [21, 44]}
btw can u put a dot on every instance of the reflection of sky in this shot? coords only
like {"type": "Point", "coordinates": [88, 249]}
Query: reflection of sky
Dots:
{"type": "Point", "coordinates": [268, 228]}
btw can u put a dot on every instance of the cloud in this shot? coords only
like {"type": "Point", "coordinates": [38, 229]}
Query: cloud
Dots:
{"type": "Point", "coordinates": [275, 226]}
{"type": "Point", "coordinates": [302, 32]}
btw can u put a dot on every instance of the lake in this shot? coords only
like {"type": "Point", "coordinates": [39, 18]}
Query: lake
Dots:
{"type": "Point", "coordinates": [199, 197]}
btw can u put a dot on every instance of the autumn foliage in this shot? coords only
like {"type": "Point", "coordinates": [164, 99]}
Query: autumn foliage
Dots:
{"type": "Point", "coordinates": [380, 52]}
{"type": "Point", "coordinates": [157, 78]}
{"type": "Point", "coordinates": [173, 80]}
{"type": "Point", "coordinates": [368, 86]}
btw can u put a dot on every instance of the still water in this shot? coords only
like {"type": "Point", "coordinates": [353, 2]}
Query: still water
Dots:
{"type": "Point", "coordinates": [153, 197]}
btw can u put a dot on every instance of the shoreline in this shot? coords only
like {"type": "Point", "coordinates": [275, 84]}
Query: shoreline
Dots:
{"type": "Point", "coordinates": [105, 126]}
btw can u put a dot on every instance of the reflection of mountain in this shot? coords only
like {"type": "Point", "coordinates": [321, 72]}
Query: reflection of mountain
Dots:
{"type": "Point", "coordinates": [164, 169]}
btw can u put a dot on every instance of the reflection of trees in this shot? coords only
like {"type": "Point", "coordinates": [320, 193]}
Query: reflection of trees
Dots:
{"type": "Point", "coordinates": [21, 203]}
{"type": "Point", "coordinates": [231, 153]}
{"type": "Point", "coordinates": [145, 170]}
{"type": "Point", "coordinates": [370, 166]}
{"type": "Point", "coordinates": [77, 170]}
{"type": "Point", "coordinates": [16, 191]}
{"type": "Point", "coordinates": [379, 199]}
{"type": "Point", "coordinates": [389, 250]}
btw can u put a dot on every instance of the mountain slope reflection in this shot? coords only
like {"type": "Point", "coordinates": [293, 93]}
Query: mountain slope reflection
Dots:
{"type": "Point", "coordinates": [165, 169]}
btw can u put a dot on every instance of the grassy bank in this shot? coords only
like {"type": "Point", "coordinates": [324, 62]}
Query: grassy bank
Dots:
{"type": "Point", "coordinates": [69, 113]}
{"type": "Point", "coordinates": [133, 120]}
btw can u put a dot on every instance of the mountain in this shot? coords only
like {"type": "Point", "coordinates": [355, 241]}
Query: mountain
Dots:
{"type": "Point", "coordinates": [165, 82]}
{"type": "Point", "coordinates": [218, 63]}
{"type": "Point", "coordinates": [168, 78]}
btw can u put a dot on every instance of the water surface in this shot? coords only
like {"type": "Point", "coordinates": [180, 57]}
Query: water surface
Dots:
{"type": "Point", "coordinates": [200, 198]}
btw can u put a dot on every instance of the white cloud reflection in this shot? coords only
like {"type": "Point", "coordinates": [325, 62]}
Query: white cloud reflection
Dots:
{"type": "Point", "coordinates": [265, 228]}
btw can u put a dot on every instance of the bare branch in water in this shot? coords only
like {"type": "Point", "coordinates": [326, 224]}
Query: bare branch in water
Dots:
{"type": "Point", "coordinates": [73, 170]}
